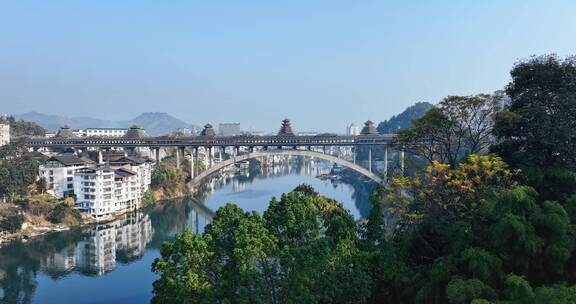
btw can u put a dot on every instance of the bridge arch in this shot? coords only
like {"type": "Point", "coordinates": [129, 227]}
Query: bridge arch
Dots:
{"type": "Point", "coordinates": [305, 153]}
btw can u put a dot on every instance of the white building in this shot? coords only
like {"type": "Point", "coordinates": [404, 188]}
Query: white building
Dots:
{"type": "Point", "coordinates": [102, 132]}
{"type": "Point", "coordinates": [353, 130]}
{"type": "Point", "coordinates": [103, 191]}
{"type": "Point", "coordinates": [142, 167]}
{"type": "Point", "coordinates": [119, 187]}
{"type": "Point", "coordinates": [58, 171]}
{"type": "Point", "coordinates": [4, 134]}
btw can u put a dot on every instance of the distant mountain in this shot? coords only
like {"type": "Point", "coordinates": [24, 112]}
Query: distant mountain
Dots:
{"type": "Point", "coordinates": [404, 119]}
{"type": "Point", "coordinates": [155, 123]}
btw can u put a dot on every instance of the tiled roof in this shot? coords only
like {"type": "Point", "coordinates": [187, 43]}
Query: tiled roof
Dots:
{"type": "Point", "coordinates": [69, 160]}
{"type": "Point", "coordinates": [123, 172]}
{"type": "Point", "coordinates": [128, 160]}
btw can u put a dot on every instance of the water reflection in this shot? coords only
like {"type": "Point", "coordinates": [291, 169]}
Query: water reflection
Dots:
{"type": "Point", "coordinates": [102, 246]}
{"type": "Point", "coordinates": [65, 266]}
{"type": "Point", "coordinates": [261, 169]}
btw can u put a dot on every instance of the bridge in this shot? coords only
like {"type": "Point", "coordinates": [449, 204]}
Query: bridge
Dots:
{"type": "Point", "coordinates": [284, 143]}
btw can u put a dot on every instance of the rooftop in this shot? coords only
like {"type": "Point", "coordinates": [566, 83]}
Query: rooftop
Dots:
{"type": "Point", "coordinates": [70, 160]}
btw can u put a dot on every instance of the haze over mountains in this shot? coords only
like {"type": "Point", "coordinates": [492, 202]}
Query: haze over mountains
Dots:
{"type": "Point", "coordinates": [155, 123]}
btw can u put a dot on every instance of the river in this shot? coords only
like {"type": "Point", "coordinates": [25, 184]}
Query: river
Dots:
{"type": "Point", "coordinates": [110, 263]}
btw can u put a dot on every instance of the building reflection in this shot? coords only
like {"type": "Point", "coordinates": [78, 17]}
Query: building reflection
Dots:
{"type": "Point", "coordinates": [102, 246]}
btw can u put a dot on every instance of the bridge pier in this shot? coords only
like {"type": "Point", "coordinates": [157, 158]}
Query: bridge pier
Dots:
{"type": "Point", "coordinates": [402, 162]}
{"type": "Point", "coordinates": [209, 155]}
{"type": "Point", "coordinates": [157, 155]}
{"type": "Point", "coordinates": [370, 159]}
{"type": "Point", "coordinates": [192, 173]}
{"type": "Point", "coordinates": [100, 156]}
{"type": "Point", "coordinates": [177, 157]}
{"type": "Point", "coordinates": [385, 163]}
{"type": "Point", "coordinates": [101, 159]}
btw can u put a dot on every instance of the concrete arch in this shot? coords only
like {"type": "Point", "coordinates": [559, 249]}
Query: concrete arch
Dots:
{"type": "Point", "coordinates": [305, 153]}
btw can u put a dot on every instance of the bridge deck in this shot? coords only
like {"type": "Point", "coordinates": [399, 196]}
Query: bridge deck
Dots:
{"type": "Point", "coordinates": [201, 141]}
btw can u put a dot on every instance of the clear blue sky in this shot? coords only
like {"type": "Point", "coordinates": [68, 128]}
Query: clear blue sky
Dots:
{"type": "Point", "coordinates": [323, 64]}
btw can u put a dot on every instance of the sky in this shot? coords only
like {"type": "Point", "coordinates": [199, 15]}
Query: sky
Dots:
{"type": "Point", "coordinates": [323, 64]}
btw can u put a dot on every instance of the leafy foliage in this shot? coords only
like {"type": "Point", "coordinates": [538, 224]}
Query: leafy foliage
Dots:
{"type": "Point", "coordinates": [20, 128]}
{"type": "Point", "coordinates": [404, 119]}
{"type": "Point", "coordinates": [458, 127]}
{"type": "Point", "coordinates": [169, 179]}
{"type": "Point", "coordinates": [537, 130]}
{"type": "Point", "coordinates": [443, 193]}
{"type": "Point", "coordinates": [65, 214]}
{"type": "Point", "coordinates": [303, 244]}
{"type": "Point", "coordinates": [17, 171]}
{"type": "Point", "coordinates": [11, 223]}
{"type": "Point", "coordinates": [469, 228]}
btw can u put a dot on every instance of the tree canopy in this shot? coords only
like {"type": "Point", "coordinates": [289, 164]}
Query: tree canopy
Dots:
{"type": "Point", "coordinates": [491, 219]}
{"type": "Point", "coordinates": [302, 250]}
{"type": "Point", "coordinates": [457, 127]}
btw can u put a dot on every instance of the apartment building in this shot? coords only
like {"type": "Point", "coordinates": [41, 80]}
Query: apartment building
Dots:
{"type": "Point", "coordinates": [4, 134]}
{"type": "Point", "coordinates": [58, 171]}
{"type": "Point", "coordinates": [117, 187]}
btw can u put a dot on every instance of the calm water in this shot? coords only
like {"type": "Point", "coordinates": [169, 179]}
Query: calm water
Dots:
{"type": "Point", "coordinates": [110, 263]}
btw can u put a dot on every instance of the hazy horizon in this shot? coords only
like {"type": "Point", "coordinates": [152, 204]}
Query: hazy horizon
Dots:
{"type": "Point", "coordinates": [323, 64]}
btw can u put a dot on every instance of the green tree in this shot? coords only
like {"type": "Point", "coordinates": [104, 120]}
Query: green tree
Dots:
{"type": "Point", "coordinates": [302, 251]}
{"type": "Point", "coordinates": [458, 127]}
{"type": "Point", "coordinates": [537, 130]}
{"type": "Point", "coordinates": [11, 223]}
{"type": "Point", "coordinates": [169, 179]}
{"type": "Point", "coordinates": [183, 266]}
{"type": "Point", "coordinates": [17, 171]}
{"type": "Point", "coordinates": [404, 119]}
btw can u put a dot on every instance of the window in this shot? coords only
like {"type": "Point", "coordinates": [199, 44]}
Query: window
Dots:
{"type": "Point", "coordinates": [70, 178]}
{"type": "Point", "coordinates": [70, 172]}
{"type": "Point", "coordinates": [70, 186]}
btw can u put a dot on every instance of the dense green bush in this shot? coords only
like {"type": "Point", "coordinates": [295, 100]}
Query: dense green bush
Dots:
{"type": "Point", "coordinates": [63, 214]}
{"type": "Point", "coordinates": [11, 223]}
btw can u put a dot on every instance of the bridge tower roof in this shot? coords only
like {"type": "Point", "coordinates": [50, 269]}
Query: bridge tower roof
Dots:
{"type": "Point", "coordinates": [369, 129]}
{"type": "Point", "coordinates": [135, 131]}
{"type": "Point", "coordinates": [286, 128]}
{"type": "Point", "coordinates": [65, 132]}
{"type": "Point", "coordinates": [208, 131]}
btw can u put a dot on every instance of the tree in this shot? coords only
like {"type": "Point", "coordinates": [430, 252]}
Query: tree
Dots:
{"type": "Point", "coordinates": [184, 276]}
{"type": "Point", "coordinates": [404, 119]}
{"type": "Point", "coordinates": [444, 194]}
{"type": "Point", "coordinates": [11, 223]}
{"type": "Point", "coordinates": [41, 185]}
{"type": "Point", "coordinates": [303, 250]}
{"type": "Point", "coordinates": [537, 130]}
{"type": "Point", "coordinates": [23, 128]}
{"type": "Point", "coordinates": [17, 171]}
{"type": "Point", "coordinates": [169, 179]}
{"type": "Point", "coordinates": [458, 127]}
